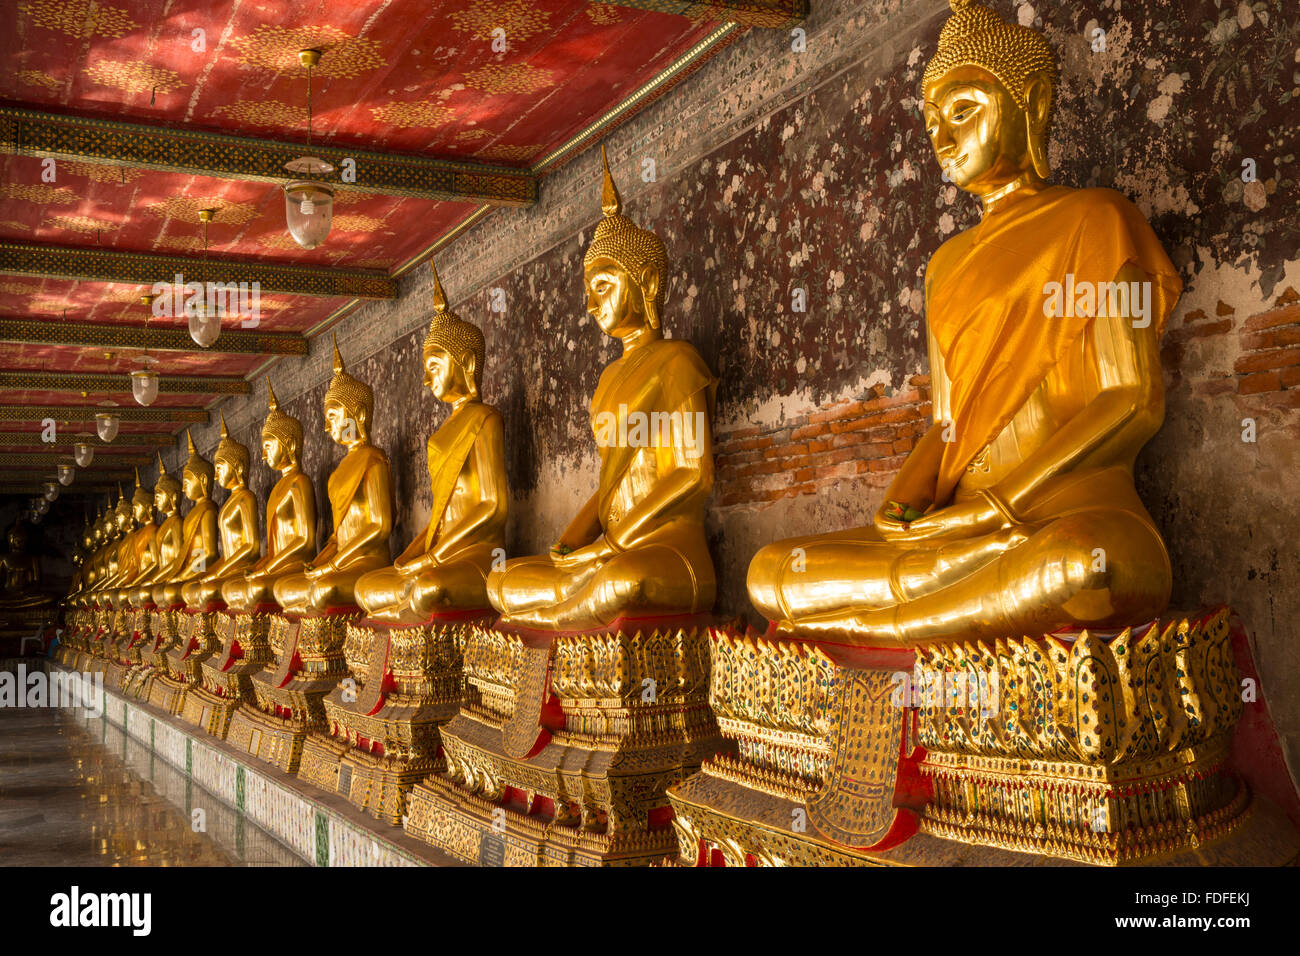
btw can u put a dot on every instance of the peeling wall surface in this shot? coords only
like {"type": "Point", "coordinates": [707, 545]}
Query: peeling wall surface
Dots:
{"type": "Point", "coordinates": [777, 171]}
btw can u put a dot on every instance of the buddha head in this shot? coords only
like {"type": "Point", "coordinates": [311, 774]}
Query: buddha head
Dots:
{"type": "Point", "coordinates": [17, 538]}
{"type": "Point", "coordinates": [624, 269]}
{"type": "Point", "coordinates": [281, 435]}
{"type": "Point", "coordinates": [141, 501]}
{"type": "Point", "coordinates": [349, 405]}
{"type": "Point", "coordinates": [230, 459]}
{"type": "Point", "coordinates": [988, 95]}
{"type": "Point", "coordinates": [166, 490]}
{"type": "Point", "coordinates": [196, 478]}
{"type": "Point", "coordinates": [123, 513]}
{"type": "Point", "coordinates": [453, 351]}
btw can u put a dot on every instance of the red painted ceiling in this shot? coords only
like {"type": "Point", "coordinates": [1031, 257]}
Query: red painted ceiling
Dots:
{"type": "Point", "coordinates": [406, 76]}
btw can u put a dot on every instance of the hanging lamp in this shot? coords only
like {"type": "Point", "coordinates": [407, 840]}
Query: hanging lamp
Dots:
{"type": "Point", "coordinates": [144, 382]}
{"type": "Point", "coordinates": [308, 202]}
{"type": "Point", "coordinates": [204, 316]}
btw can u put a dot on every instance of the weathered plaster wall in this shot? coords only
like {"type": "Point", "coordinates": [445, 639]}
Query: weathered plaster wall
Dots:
{"type": "Point", "coordinates": [779, 170]}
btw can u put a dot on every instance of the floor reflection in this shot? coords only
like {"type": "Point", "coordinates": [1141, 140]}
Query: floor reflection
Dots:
{"type": "Point", "coordinates": [76, 793]}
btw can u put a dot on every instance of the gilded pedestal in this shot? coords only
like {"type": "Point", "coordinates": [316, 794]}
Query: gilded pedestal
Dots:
{"type": "Point", "coordinates": [1102, 749]}
{"type": "Point", "coordinates": [383, 723]}
{"type": "Point", "coordinates": [227, 675]}
{"type": "Point", "coordinates": [289, 697]}
{"type": "Point", "coordinates": [180, 666]}
{"type": "Point", "coordinates": [566, 743]}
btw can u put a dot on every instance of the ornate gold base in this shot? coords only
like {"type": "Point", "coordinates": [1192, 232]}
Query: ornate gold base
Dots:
{"type": "Point", "coordinates": [565, 745]}
{"type": "Point", "coordinates": [168, 693]}
{"type": "Point", "coordinates": [290, 696]}
{"type": "Point", "coordinates": [1098, 749]}
{"type": "Point", "coordinates": [208, 711]}
{"type": "Point", "coordinates": [383, 723]}
{"type": "Point", "coordinates": [198, 640]}
{"type": "Point", "coordinates": [276, 740]}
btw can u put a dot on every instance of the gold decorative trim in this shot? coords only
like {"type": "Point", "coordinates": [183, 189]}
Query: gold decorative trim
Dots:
{"type": "Point", "coordinates": [772, 14]}
{"type": "Point", "coordinates": [82, 413]}
{"type": "Point", "coordinates": [76, 382]}
{"type": "Point", "coordinates": [96, 336]}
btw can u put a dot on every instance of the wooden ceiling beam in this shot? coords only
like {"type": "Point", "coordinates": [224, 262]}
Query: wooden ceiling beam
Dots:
{"type": "Point", "coordinates": [99, 264]}
{"type": "Point", "coordinates": [84, 413]}
{"type": "Point", "coordinates": [222, 156]}
{"type": "Point", "coordinates": [158, 339]}
{"type": "Point", "coordinates": [772, 14]}
{"type": "Point", "coordinates": [77, 382]}
{"type": "Point", "coordinates": [128, 439]}
{"type": "Point", "coordinates": [102, 455]}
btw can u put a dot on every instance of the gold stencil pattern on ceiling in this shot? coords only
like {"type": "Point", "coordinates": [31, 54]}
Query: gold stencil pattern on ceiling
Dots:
{"type": "Point", "coordinates": [186, 209]}
{"type": "Point", "coordinates": [38, 192]}
{"type": "Point", "coordinates": [471, 135]}
{"type": "Point", "coordinates": [518, 18]}
{"type": "Point", "coordinates": [82, 224]}
{"type": "Point", "coordinates": [180, 243]}
{"type": "Point", "coordinates": [419, 113]}
{"type": "Point", "coordinates": [384, 264]}
{"type": "Point", "coordinates": [276, 48]}
{"type": "Point", "coordinates": [15, 224]}
{"type": "Point", "coordinates": [19, 288]}
{"type": "Point", "coordinates": [345, 197]}
{"type": "Point", "coordinates": [37, 78]}
{"type": "Point", "coordinates": [133, 77]}
{"type": "Point", "coordinates": [514, 154]}
{"type": "Point", "coordinates": [355, 222]}
{"type": "Point", "coordinates": [264, 113]}
{"type": "Point", "coordinates": [603, 14]}
{"type": "Point", "coordinates": [82, 19]}
{"type": "Point", "coordinates": [515, 78]}
{"type": "Point", "coordinates": [276, 240]}
{"type": "Point", "coordinates": [101, 173]}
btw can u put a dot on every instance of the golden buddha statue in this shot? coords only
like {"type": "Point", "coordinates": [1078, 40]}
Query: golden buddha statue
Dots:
{"type": "Point", "coordinates": [1016, 512]}
{"type": "Point", "coordinates": [105, 537]}
{"type": "Point", "coordinates": [361, 500]}
{"type": "Point", "coordinates": [198, 540]}
{"type": "Point", "coordinates": [119, 556]}
{"type": "Point", "coordinates": [447, 564]}
{"type": "Point", "coordinates": [166, 539]}
{"type": "Point", "coordinates": [20, 573]}
{"type": "Point", "coordinates": [236, 522]}
{"type": "Point", "coordinates": [139, 547]}
{"type": "Point", "coordinates": [290, 514]}
{"type": "Point", "coordinates": [637, 548]}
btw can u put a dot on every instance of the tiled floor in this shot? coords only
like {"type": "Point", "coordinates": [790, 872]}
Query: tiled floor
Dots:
{"type": "Point", "coordinates": [84, 793]}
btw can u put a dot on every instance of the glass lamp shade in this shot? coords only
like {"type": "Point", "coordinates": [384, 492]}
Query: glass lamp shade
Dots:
{"type": "Point", "coordinates": [51, 490]}
{"type": "Point", "coordinates": [144, 384]}
{"type": "Point", "coordinates": [66, 474]}
{"type": "Point", "coordinates": [106, 424]}
{"type": "Point", "coordinates": [41, 506]}
{"type": "Point", "coordinates": [205, 325]}
{"type": "Point", "coordinates": [83, 453]}
{"type": "Point", "coordinates": [309, 211]}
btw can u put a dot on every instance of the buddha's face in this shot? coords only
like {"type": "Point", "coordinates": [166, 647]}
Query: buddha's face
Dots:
{"type": "Point", "coordinates": [142, 508]}
{"type": "Point", "coordinates": [194, 485]}
{"type": "Point", "coordinates": [160, 497]}
{"type": "Point", "coordinates": [978, 132]}
{"type": "Point", "coordinates": [342, 425]}
{"type": "Point", "coordinates": [613, 298]}
{"type": "Point", "coordinates": [226, 474]}
{"type": "Point", "coordinates": [442, 374]}
{"type": "Point", "coordinates": [16, 540]}
{"type": "Point", "coordinates": [122, 517]}
{"type": "Point", "coordinates": [273, 453]}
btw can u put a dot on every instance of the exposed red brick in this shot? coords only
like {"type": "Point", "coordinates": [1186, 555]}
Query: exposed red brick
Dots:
{"type": "Point", "coordinates": [1271, 320]}
{"type": "Point", "coordinates": [836, 412]}
{"type": "Point", "coordinates": [1260, 382]}
{"type": "Point", "coordinates": [789, 451]}
{"type": "Point", "coordinates": [1216, 387]}
{"type": "Point", "coordinates": [816, 447]}
{"type": "Point", "coordinates": [749, 431]}
{"type": "Point", "coordinates": [1278, 337]}
{"type": "Point", "coordinates": [1224, 309]}
{"type": "Point", "coordinates": [1290, 377]}
{"type": "Point", "coordinates": [1195, 316]}
{"type": "Point", "coordinates": [1289, 295]}
{"type": "Point", "coordinates": [921, 379]}
{"type": "Point", "coordinates": [1259, 361]}
{"type": "Point", "coordinates": [903, 444]}
{"type": "Point", "coordinates": [810, 431]}
{"type": "Point", "coordinates": [803, 474]}
{"type": "Point", "coordinates": [887, 464]}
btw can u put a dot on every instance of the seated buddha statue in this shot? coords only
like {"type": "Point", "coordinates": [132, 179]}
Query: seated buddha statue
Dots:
{"type": "Point", "coordinates": [1016, 512]}
{"type": "Point", "coordinates": [447, 564]}
{"type": "Point", "coordinates": [139, 555]}
{"type": "Point", "coordinates": [105, 539]}
{"type": "Point", "coordinates": [637, 548]}
{"type": "Point", "coordinates": [236, 524]}
{"type": "Point", "coordinates": [167, 537]}
{"type": "Point", "coordinates": [119, 555]}
{"type": "Point", "coordinates": [290, 514]}
{"type": "Point", "coordinates": [20, 573]}
{"type": "Point", "coordinates": [198, 539]}
{"type": "Point", "coordinates": [361, 502]}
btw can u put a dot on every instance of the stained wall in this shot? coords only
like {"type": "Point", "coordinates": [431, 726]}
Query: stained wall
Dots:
{"type": "Point", "coordinates": [778, 171]}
